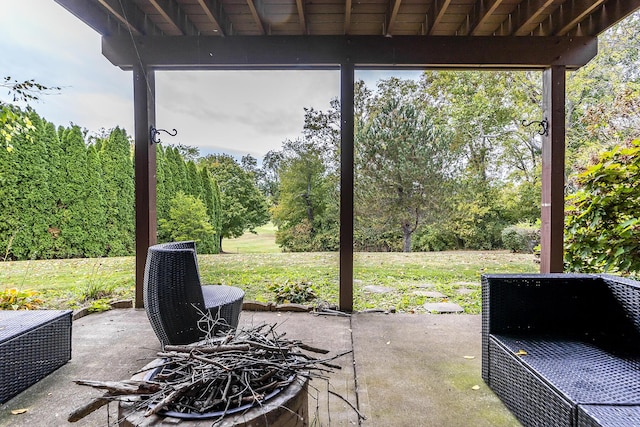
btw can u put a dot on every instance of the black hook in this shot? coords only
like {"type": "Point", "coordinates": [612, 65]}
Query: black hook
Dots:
{"type": "Point", "coordinates": [544, 126]}
{"type": "Point", "coordinates": [153, 134]}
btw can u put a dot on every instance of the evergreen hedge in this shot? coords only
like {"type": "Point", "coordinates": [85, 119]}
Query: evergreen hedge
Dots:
{"type": "Point", "coordinates": [65, 195]}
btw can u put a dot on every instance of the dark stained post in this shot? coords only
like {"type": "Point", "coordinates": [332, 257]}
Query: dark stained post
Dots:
{"type": "Point", "coordinates": [145, 170]}
{"type": "Point", "coordinates": [553, 156]}
{"type": "Point", "coordinates": [346, 186]}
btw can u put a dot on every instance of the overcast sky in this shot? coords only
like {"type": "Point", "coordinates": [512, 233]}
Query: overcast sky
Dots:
{"type": "Point", "coordinates": [237, 112]}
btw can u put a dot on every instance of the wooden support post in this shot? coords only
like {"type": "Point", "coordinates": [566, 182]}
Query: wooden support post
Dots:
{"type": "Point", "coordinates": [346, 185]}
{"type": "Point", "coordinates": [553, 157]}
{"type": "Point", "coordinates": [145, 170]}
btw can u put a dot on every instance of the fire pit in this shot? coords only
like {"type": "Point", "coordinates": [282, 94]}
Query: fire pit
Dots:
{"type": "Point", "coordinates": [251, 377]}
{"type": "Point", "coordinates": [287, 408]}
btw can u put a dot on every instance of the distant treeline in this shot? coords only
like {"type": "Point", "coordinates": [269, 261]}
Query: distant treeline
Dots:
{"type": "Point", "coordinates": [64, 194]}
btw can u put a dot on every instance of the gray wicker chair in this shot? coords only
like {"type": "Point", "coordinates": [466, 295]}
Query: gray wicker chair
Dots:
{"type": "Point", "coordinates": [175, 300]}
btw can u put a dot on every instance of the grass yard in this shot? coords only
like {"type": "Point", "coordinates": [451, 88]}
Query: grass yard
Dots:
{"type": "Point", "coordinates": [76, 282]}
{"type": "Point", "coordinates": [263, 241]}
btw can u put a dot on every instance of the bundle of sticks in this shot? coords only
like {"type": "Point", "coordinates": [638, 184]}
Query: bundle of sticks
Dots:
{"type": "Point", "coordinates": [235, 369]}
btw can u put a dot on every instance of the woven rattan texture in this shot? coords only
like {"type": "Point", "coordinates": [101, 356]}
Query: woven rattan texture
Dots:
{"type": "Point", "coordinates": [32, 345]}
{"type": "Point", "coordinates": [581, 371]}
{"type": "Point", "coordinates": [581, 336]}
{"type": "Point", "coordinates": [175, 300]}
{"type": "Point", "coordinates": [532, 401]}
{"type": "Point", "coordinates": [610, 416]}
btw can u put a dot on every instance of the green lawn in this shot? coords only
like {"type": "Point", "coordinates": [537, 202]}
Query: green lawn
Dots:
{"type": "Point", "coordinates": [263, 241]}
{"type": "Point", "coordinates": [66, 283]}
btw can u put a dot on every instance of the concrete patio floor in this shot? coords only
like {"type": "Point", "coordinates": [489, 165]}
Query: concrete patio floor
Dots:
{"type": "Point", "coordinates": [407, 369]}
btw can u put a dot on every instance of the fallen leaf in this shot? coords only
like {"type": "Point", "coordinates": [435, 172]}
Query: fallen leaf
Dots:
{"type": "Point", "coordinates": [469, 357]}
{"type": "Point", "coordinates": [475, 387]}
{"type": "Point", "coordinates": [19, 411]}
{"type": "Point", "coordinates": [521, 352]}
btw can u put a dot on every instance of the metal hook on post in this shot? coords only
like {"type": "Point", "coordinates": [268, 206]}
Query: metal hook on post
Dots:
{"type": "Point", "coordinates": [153, 134]}
{"type": "Point", "coordinates": [544, 126]}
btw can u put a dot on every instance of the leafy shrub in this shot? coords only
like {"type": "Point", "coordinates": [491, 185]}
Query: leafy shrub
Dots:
{"type": "Point", "coordinates": [602, 231]}
{"type": "Point", "coordinates": [521, 238]}
{"type": "Point", "coordinates": [14, 299]}
{"type": "Point", "coordinates": [99, 306]}
{"type": "Point", "coordinates": [188, 220]}
{"type": "Point", "coordinates": [293, 292]}
{"type": "Point", "coordinates": [434, 238]}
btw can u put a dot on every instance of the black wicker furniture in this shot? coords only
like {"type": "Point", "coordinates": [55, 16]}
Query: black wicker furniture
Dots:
{"type": "Point", "coordinates": [563, 349]}
{"type": "Point", "coordinates": [175, 301]}
{"type": "Point", "coordinates": [33, 343]}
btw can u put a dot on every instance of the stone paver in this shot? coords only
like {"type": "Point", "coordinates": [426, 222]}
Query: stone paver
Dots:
{"type": "Point", "coordinates": [443, 307]}
{"type": "Point", "coordinates": [429, 294]}
{"type": "Point", "coordinates": [377, 289]}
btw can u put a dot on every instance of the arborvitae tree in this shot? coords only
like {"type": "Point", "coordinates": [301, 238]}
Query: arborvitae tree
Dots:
{"type": "Point", "coordinates": [117, 169]}
{"type": "Point", "coordinates": [73, 195]}
{"type": "Point", "coordinates": [96, 217]}
{"type": "Point", "coordinates": [194, 180]}
{"type": "Point", "coordinates": [9, 193]}
{"type": "Point", "coordinates": [208, 197]}
{"type": "Point", "coordinates": [163, 187]}
{"type": "Point", "coordinates": [177, 171]}
{"type": "Point", "coordinates": [35, 202]}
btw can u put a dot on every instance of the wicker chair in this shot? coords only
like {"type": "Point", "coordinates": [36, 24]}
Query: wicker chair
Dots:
{"type": "Point", "coordinates": [175, 301]}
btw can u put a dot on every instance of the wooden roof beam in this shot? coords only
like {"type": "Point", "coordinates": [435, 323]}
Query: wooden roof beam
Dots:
{"type": "Point", "coordinates": [481, 11]}
{"type": "Point", "coordinates": [93, 15]}
{"type": "Point", "coordinates": [302, 21]}
{"type": "Point", "coordinates": [436, 13]}
{"type": "Point", "coordinates": [347, 16]}
{"type": "Point", "coordinates": [392, 17]}
{"type": "Point", "coordinates": [127, 13]}
{"type": "Point", "coordinates": [610, 13]}
{"type": "Point", "coordinates": [172, 13]}
{"type": "Point", "coordinates": [568, 16]}
{"type": "Point", "coordinates": [256, 16]}
{"type": "Point", "coordinates": [313, 52]}
{"type": "Point", "coordinates": [525, 14]}
{"type": "Point", "coordinates": [215, 14]}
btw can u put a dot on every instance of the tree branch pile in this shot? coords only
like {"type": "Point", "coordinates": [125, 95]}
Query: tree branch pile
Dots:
{"type": "Point", "coordinates": [230, 372]}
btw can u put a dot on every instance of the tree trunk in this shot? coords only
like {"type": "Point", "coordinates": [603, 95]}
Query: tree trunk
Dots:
{"type": "Point", "coordinates": [407, 232]}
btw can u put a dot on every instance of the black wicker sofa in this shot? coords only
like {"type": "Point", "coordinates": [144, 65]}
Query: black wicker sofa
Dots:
{"type": "Point", "coordinates": [563, 349]}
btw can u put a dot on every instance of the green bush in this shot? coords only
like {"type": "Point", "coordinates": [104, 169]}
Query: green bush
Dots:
{"type": "Point", "coordinates": [15, 299]}
{"type": "Point", "coordinates": [521, 238]}
{"type": "Point", "coordinates": [602, 230]}
{"type": "Point", "coordinates": [434, 238]}
{"type": "Point", "coordinates": [293, 292]}
{"type": "Point", "coordinates": [188, 220]}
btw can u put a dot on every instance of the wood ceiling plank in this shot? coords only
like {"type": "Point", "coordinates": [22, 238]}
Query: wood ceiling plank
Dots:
{"type": "Point", "coordinates": [301, 16]}
{"type": "Point", "coordinates": [127, 14]}
{"type": "Point", "coordinates": [526, 15]}
{"type": "Point", "coordinates": [90, 13]}
{"type": "Point", "coordinates": [256, 16]}
{"type": "Point", "coordinates": [347, 16]}
{"type": "Point", "coordinates": [567, 16]}
{"type": "Point", "coordinates": [481, 11]}
{"type": "Point", "coordinates": [391, 22]}
{"type": "Point", "coordinates": [174, 17]}
{"type": "Point", "coordinates": [437, 13]}
{"type": "Point", "coordinates": [612, 12]}
{"type": "Point", "coordinates": [215, 14]}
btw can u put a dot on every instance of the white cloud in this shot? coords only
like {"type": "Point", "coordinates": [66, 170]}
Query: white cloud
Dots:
{"type": "Point", "coordinates": [236, 111]}
{"type": "Point", "coordinates": [247, 111]}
